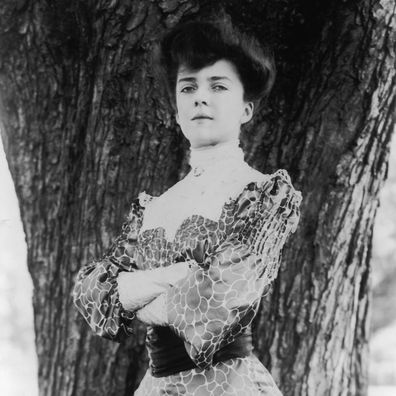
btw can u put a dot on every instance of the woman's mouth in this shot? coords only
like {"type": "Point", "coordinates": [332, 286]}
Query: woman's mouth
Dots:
{"type": "Point", "coordinates": [202, 117]}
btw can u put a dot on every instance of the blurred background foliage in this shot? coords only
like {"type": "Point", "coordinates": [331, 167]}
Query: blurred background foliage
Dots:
{"type": "Point", "coordinates": [18, 363]}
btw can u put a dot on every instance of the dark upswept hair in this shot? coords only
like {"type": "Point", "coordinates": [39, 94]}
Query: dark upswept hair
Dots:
{"type": "Point", "coordinates": [197, 44]}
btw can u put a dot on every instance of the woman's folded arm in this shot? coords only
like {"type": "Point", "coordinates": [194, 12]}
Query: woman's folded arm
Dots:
{"type": "Point", "coordinates": [98, 285]}
{"type": "Point", "coordinates": [109, 292]}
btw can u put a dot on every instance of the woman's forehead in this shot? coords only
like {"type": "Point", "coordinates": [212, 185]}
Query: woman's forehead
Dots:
{"type": "Point", "coordinates": [222, 69]}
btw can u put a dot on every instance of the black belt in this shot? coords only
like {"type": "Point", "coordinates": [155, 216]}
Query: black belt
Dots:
{"type": "Point", "coordinates": [168, 355]}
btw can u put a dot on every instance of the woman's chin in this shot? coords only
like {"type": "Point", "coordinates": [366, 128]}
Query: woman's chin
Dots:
{"type": "Point", "coordinates": [203, 143]}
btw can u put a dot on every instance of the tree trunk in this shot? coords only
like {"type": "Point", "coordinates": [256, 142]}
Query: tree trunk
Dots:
{"type": "Point", "coordinates": [86, 128]}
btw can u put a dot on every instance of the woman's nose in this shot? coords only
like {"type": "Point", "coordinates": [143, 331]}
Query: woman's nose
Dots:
{"type": "Point", "coordinates": [200, 101]}
{"type": "Point", "coordinates": [201, 97]}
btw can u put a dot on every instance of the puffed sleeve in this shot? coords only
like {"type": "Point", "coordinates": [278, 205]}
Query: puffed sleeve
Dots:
{"type": "Point", "coordinates": [95, 293]}
{"type": "Point", "coordinates": [220, 297]}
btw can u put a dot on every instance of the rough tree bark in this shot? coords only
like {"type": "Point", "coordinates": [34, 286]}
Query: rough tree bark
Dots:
{"type": "Point", "coordinates": [86, 128]}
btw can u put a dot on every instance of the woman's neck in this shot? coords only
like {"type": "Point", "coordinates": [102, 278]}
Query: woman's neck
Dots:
{"type": "Point", "coordinates": [219, 155]}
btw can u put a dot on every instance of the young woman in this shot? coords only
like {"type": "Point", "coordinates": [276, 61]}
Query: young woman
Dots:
{"type": "Point", "coordinates": [194, 262]}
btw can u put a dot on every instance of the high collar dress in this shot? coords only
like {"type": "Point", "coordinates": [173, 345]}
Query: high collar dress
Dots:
{"type": "Point", "coordinates": [231, 221]}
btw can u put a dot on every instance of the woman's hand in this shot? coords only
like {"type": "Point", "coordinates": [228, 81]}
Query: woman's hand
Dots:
{"type": "Point", "coordinates": [154, 313]}
{"type": "Point", "coordinates": [138, 288]}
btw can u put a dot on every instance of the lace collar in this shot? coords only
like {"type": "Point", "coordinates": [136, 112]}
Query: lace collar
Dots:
{"type": "Point", "coordinates": [220, 156]}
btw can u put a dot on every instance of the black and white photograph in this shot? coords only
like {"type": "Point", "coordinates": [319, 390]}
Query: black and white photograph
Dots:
{"type": "Point", "coordinates": [198, 198]}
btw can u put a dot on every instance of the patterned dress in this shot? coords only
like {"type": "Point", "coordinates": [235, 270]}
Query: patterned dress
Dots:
{"type": "Point", "coordinates": [231, 221]}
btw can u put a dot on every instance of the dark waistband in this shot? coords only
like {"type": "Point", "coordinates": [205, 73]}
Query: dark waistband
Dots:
{"type": "Point", "coordinates": [168, 354]}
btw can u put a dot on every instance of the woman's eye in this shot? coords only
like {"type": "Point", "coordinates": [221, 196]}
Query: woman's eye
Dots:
{"type": "Point", "coordinates": [219, 88]}
{"type": "Point", "coordinates": [186, 89]}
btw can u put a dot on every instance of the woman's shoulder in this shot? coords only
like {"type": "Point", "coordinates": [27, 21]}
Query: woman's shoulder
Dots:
{"type": "Point", "coordinates": [277, 183]}
{"type": "Point", "coordinates": [268, 193]}
{"type": "Point", "coordinates": [138, 205]}
{"type": "Point", "coordinates": [144, 199]}
{"type": "Point", "coordinates": [280, 184]}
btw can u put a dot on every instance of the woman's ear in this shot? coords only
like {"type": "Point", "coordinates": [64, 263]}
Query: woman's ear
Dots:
{"type": "Point", "coordinates": [248, 112]}
{"type": "Point", "coordinates": [177, 118]}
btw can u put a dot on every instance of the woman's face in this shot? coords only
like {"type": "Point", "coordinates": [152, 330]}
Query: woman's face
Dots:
{"type": "Point", "coordinates": [210, 105]}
